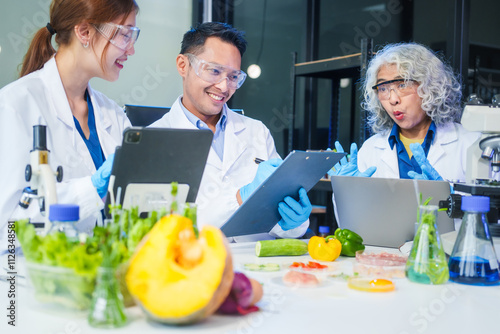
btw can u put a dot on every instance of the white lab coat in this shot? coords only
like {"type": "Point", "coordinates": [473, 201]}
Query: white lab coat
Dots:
{"type": "Point", "coordinates": [447, 153]}
{"type": "Point", "coordinates": [244, 140]}
{"type": "Point", "coordinates": [39, 98]}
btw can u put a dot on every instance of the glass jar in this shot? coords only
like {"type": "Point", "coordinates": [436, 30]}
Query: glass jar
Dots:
{"type": "Point", "coordinates": [473, 259]}
{"type": "Point", "coordinates": [63, 218]}
{"type": "Point", "coordinates": [324, 231]}
{"type": "Point", "coordinates": [427, 261]}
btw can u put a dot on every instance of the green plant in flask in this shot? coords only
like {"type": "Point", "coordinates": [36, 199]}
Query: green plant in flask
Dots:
{"type": "Point", "coordinates": [427, 261]}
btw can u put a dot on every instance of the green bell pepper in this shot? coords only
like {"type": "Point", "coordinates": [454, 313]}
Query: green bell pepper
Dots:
{"type": "Point", "coordinates": [351, 241]}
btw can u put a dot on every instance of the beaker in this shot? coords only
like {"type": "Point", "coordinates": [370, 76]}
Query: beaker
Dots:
{"type": "Point", "coordinates": [473, 259]}
{"type": "Point", "coordinates": [427, 261]}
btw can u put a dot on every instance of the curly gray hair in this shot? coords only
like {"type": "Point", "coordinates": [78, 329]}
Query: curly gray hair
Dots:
{"type": "Point", "coordinates": [438, 87]}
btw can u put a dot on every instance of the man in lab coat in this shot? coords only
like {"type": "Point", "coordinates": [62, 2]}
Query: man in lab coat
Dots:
{"type": "Point", "coordinates": [209, 63]}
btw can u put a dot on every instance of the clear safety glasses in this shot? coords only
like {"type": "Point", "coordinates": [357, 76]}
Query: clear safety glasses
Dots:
{"type": "Point", "coordinates": [402, 87]}
{"type": "Point", "coordinates": [215, 73]}
{"type": "Point", "coordinates": [122, 37]}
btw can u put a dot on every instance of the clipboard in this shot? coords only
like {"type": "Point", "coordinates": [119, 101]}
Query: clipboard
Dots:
{"type": "Point", "coordinates": [259, 213]}
{"type": "Point", "coordinates": [150, 159]}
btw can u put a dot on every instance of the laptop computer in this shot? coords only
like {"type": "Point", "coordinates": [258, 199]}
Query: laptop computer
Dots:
{"type": "Point", "coordinates": [384, 211]}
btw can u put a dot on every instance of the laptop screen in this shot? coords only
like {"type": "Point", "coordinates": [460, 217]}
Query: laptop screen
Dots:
{"type": "Point", "coordinates": [383, 210]}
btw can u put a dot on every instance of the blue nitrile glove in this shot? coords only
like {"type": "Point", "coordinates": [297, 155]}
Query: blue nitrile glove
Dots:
{"type": "Point", "coordinates": [100, 178]}
{"type": "Point", "coordinates": [350, 168]}
{"type": "Point", "coordinates": [428, 172]}
{"type": "Point", "coordinates": [265, 169]}
{"type": "Point", "coordinates": [294, 213]}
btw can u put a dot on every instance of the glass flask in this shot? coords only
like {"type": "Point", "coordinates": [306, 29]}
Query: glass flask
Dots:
{"type": "Point", "coordinates": [107, 309]}
{"type": "Point", "coordinates": [473, 259]}
{"type": "Point", "coordinates": [427, 261]}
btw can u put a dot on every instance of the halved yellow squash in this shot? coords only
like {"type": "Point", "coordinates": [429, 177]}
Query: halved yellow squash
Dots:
{"type": "Point", "coordinates": [177, 278]}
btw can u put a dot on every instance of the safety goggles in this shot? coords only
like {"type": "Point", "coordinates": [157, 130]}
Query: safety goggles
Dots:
{"type": "Point", "coordinates": [122, 37]}
{"type": "Point", "coordinates": [215, 73]}
{"type": "Point", "coordinates": [402, 87]}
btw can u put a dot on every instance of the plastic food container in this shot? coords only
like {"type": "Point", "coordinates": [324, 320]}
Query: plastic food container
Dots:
{"type": "Point", "coordinates": [380, 264]}
{"type": "Point", "coordinates": [63, 288]}
{"type": "Point", "coordinates": [60, 287]}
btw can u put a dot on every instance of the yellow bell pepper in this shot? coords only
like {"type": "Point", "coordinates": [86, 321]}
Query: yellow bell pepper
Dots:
{"type": "Point", "coordinates": [324, 250]}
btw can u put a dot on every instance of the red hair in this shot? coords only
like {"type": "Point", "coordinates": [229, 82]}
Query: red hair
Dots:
{"type": "Point", "coordinates": [64, 16]}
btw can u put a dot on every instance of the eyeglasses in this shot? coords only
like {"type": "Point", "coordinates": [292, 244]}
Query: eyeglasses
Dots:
{"type": "Point", "coordinates": [122, 37]}
{"type": "Point", "coordinates": [215, 73]}
{"type": "Point", "coordinates": [402, 87]}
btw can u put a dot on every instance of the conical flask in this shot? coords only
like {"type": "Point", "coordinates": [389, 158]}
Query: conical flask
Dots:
{"type": "Point", "coordinates": [107, 310]}
{"type": "Point", "coordinates": [473, 260]}
{"type": "Point", "coordinates": [427, 261]}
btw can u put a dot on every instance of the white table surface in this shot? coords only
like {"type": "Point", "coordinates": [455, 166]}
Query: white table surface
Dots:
{"type": "Point", "coordinates": [332, 307]}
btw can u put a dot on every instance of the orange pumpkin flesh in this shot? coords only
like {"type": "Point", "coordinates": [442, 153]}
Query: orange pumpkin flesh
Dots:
{"type": "Point", "coordinates": [176, 278]}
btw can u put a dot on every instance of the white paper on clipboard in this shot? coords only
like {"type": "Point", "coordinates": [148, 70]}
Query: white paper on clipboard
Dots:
{"type": "Point", "coordinates": [259, 213]}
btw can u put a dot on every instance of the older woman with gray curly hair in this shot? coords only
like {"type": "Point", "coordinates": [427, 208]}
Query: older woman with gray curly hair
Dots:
{"type": "Point", "coordinates": [413, 102]}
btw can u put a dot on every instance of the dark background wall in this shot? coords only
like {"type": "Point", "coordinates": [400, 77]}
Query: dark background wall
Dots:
{"type": "Point", "coordinates": [319, 29]}
{"type": "Point", "coordinates": [319, 111]}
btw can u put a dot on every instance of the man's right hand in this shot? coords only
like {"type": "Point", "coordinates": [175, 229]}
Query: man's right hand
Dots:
{"type": "Point", "coordinates": [265, 169]}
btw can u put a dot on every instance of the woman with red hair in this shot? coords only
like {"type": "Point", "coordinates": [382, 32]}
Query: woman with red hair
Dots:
{"type": "Point", "coordinates": [94, 39]}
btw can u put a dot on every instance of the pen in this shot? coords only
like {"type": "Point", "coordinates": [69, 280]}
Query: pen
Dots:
{"type": "Point", "coordinates": [258, 161]}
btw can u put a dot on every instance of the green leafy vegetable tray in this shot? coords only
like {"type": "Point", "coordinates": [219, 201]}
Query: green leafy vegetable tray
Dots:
{"type": "Point", "coordinates": [61, 286]}
{"type": "Point", "coordinates": [63, 272]}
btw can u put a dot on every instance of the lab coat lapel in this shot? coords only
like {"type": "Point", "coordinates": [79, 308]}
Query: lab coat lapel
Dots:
{"type": "Point", "coordinates": [62, 111]}
{"type": "Point", "coordinates": [103, 125]}
{"type": "Point", "coordinates": [388, 157]}
{"type": "Point", "coordinates": [234, 144]}
{"type": "Point", "coordinates": [445, 135]}
{"type": "Point", "coordinates": [58, 96]}
{"type": "Point", "coordinates": [177, 119]}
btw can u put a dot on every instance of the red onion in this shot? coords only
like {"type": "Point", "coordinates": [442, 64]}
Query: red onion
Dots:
{"type": "Point", "coordinates": [240, 298]}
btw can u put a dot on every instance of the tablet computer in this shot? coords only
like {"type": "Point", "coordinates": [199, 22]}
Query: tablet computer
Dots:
{"type": "Point", "coordinates": [259, 213]}
{"type": "Point", "coordinates": [150, 159]}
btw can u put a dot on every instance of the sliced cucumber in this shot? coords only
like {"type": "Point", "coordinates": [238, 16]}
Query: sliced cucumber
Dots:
{"type": "Point", "coordinates": [262, 267]}
{"type": "Point", "coordinates": [270, 267]}
{"type": "Point", "coordinates": [252, 266]}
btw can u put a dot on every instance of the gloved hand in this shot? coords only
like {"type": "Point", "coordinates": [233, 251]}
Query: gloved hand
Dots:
{"type": "Point", "coordinates": [428, 172]}
{"type": "Point", "coordinates": [265, 169]}
{"type": "Point", "coordinates": [350, 168]}
{"type": "Point", "coordinates": [294, 213]}
{"type": "Point", "coordinates": [100, 178]}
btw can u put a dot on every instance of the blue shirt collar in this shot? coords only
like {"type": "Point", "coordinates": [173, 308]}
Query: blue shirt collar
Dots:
{"type": "Point", "coordinates": [220, 126]}
{"type": "Point", "coordinates": [220, 129]}
{"type": "Point", "coordinates": [394, 136]}
{"type": "Point", "coordinates": [405, 164]}
{"type": "Point", "coordinates": [429, 137]}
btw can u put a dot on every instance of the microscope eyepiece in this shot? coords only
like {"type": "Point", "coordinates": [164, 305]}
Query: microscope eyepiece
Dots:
{"type": "Point", "coordinates": [40, 137]}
